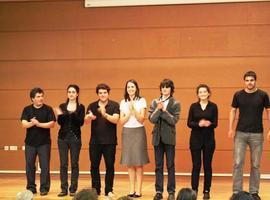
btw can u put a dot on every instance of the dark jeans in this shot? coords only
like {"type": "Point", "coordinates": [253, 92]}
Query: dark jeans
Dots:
{"type": "Point", "coordinates": [108, 151]}
{"type": "Point", "coordinates": [64, 146]}
{"type": "Point", "coordinates": [44, 154]}
{"type": "Point", "coordinates": [207, 153]}
{"type": "Point", "coordinates": [169, 151]}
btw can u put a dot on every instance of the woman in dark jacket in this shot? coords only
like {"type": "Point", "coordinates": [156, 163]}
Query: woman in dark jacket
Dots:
{"type": "Point", "coordinates": [70, 118]}
{"type": "Point", "coordinates": [202, 119]}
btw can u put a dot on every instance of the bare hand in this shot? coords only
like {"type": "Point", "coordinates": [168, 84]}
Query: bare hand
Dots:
{"type": "Point", "coordinates": [34, 121]}
{"type": "Point", "coordinates": [231, 133]}
{"type": "Point", "coordinates": [160, 105]}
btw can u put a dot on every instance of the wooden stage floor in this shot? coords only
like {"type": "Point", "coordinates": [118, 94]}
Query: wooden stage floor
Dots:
{"type": "Point", "coordinates": [10, 184]}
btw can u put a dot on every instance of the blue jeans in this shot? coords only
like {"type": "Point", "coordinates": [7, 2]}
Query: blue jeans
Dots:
{"type": "Point", "coordinates": [255, 143]}
{"type": "Point", "coordinates": [169, 151]}
{"type": "Point", "coordinates": [44, 154]}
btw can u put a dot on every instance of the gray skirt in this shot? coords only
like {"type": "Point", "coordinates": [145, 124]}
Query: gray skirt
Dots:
{"type": "Point", "coordinates": [134, 147]}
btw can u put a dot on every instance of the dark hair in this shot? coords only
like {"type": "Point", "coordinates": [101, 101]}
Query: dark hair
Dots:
{"type": "Point", "coordinates": [168, 84]}
{"type": "Point", "coordinates": [103, 86]}
{"type": "Point", "coordinates": [186, 194]}
{"type": "Point", "coordinates": [76, 87]}
{"type": "Point", "coordinates": [243, 195]}
{"type": "Point", "coordinates": [203, 86]}
{"type": "Point", "coordinates": [250, 73]}
{"type": "Point", "coordinates": [137, 93]}
{"type": "Point", "coordinates": [35, 91]}
{"type": "Point", "coordinates": [86, 194]}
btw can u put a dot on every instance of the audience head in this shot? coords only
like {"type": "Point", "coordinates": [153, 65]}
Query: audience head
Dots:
{"type": "Point", "coordinates": [24, 195]}
{"type": "Point", "coordinates": [86, 194]}
{"type": "Point", "coordinates": [125, 198]}
{"type": "Point", "coordinates": [186, 194]}
{"type": "Point", "coordinates": [242, 196]}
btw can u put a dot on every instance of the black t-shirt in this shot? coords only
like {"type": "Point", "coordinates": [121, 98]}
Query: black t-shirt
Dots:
{"type": "Point", "coordinates": [36, 136]}
{"type": "Point", "coordinates": [251, 107]}
{"type": "Point", "coordinates": [102, 130]}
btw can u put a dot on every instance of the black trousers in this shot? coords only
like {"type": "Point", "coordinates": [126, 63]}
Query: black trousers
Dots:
{"type": "Point", "coordinates": [108, 151]}
{"type": "Point", "coordinates": [207, 153]}
{"type": "Point", "coordinates": [44, 154]}
{"type": "Point", "coordinates": [64, 147]}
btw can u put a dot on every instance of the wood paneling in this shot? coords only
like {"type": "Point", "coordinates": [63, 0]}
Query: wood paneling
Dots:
{"type": "Point", "coordinates": [53, 43]}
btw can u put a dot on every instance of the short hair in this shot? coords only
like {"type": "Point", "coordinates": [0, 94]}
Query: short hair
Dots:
{"type": "Point", "coordinates": [203, 86]}
{"type": "Point", "coordinates": [243, 195]}
{"type": "Point", "coordinates": [103, 86]}
{"type": "Point", "coordinates": [35, 91]}
{"type": "Point", "coordinates": [186, 194]}
{"type": "Point", "coordinates": [167, 83]}
{"type": "Point", "coordinates": [125, 198]}
{"type": "Point", "coordinates": [86, 194]}
{"type": "Point", "coordinates": [24, 195]}
{"type": "Point", "coordinates": [250, 73]}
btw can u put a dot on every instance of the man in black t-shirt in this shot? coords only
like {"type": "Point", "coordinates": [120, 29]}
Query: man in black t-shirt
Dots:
{"type": "Point", "coordinates": [37, 119]}
{"type": "Point", "coordinates": [251, 102]}
{"type": "Point", "coordinates": [104, 115]}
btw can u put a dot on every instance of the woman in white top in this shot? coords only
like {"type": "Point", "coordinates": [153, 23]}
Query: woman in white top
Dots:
{"type": "Point", "coordinates": [134, 142]}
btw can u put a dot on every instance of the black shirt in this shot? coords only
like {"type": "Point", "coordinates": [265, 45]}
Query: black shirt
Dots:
{"type": "Point", "coordinates": [202, 136]}
{"type": "Point", "coordinates": [102, 130]}
{"type": "Point", "coordinates": [71, 122]}
{"type": "Point", "coordinates": [251, 107]}
{"type": "Point", "coordinates": [37, 136]}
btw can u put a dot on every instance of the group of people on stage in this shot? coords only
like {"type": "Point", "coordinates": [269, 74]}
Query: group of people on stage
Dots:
{"type": "Point", "coordinates": [164, 112]}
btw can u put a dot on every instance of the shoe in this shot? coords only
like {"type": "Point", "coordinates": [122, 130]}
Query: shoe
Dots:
{"type": "Point", "coordinates": [62, 194]}
{"type": "Point", "coordinates": [131, 195]}
{"type": "Point", "coordinates": [171, 196]}
{"type": "Point", "coordinates": [206, 195]}
{"type": "Point", "coordinates": [158, 196]}
{"type": "Point", "coordinates": [233, 196]}
{"type": "Point", "coordinates": [43, 193]}
{"type": "Point", "coordinates": [33, 191]}
{"type": "Point", "coordinates": [72, 194]}
{"type": "Point", "coordinates": [256, 196]}
{"type": "Point", "coordinates": [137, 195]}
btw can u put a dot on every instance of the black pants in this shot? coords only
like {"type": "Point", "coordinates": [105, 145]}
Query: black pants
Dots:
{"type": "Point", "coordinates": [64, 146]}
{"type": "Point", "coordinates": [207, 153]}
{"type": "Point", "coordinates": [108, 151]}
{"type": "Point", "coordinates": [44, 154]}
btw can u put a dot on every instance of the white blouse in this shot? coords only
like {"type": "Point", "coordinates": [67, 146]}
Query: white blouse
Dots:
{"type": "Point", "coordinates": [138, 105]}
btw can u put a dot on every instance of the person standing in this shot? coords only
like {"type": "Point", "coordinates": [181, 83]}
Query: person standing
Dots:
{"type": "Point", "coordinates": [251, 102]}
{"type": "Point", "coordinates": [37, 119]}
{"type": "Point", "coordinates": [134, 141]}
{"type": "Point", "coordinates": [70, 117]}
{"type": "Point", "coordinates": [202, 119]}
{"type": "Point", "coordinates": [164, 113]}
{"type": "Point", "coordinates": [103, 115]}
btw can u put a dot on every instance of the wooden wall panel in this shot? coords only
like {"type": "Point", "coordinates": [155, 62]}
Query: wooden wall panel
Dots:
{"type": "Point", "coordinates": [187, 73]}
{"type": "Point", "coordinates": [71, 15]}
{"type": "Point", "coordinates": [191, 44]}
{"type": "Point", "coordinates": [148, 43]}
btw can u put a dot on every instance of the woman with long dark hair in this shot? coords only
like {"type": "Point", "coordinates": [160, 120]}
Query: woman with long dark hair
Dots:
{"type": "Point", "coordinates": [134, 141]}
{"type": "Point", "coordinates": [70, 117]}
{"type": "Point", "coordinates": [202, 119]}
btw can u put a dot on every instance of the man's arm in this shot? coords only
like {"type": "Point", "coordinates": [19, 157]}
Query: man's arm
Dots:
{"type": "Point", "coordinates": [231, 132]}
{"type": "Point", "coordinates": [268, 117]}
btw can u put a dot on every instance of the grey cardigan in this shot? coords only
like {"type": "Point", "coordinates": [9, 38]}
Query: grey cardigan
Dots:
{"type": "Point", "coordinates": [164, 122]}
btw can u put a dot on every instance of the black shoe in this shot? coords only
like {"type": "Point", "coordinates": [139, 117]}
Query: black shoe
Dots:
{"type": "Point", "coordinates": [171, 196]}
{"type": "Point", "coordinates": [206, 195]}
{"type": "Point", "coordinates": [33, 191]}
{"type": "Point", "coordinates": [62, 194]}
{"type": "Point", "coordinates": [72, 194]}
{"type": "Point", "coordinates": [43, 193]}
{"type": "Point", "coordinates": [256, 196]}
{"type": "Point", "coordinates": [131, 195]}
{"type": "Point", "coordinates": [137, 195]}
{"type": "Point", "coordinates": [158, 196]}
